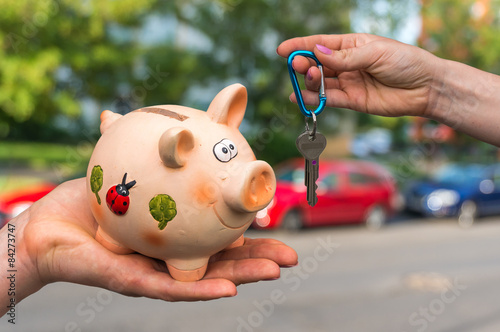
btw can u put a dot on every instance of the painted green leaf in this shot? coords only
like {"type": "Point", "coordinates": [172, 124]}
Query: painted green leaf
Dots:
{"type": "Point", "coordinates": [163, 209]}
{"type": "Point", "coordinates": [96, 181]}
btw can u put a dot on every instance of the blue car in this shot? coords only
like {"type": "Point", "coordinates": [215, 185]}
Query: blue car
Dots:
{"type": "Point", "coordinates": [464, 191]}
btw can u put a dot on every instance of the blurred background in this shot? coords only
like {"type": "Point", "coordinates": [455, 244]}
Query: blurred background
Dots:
{"type": "Point", "coordinates": [432, 194]}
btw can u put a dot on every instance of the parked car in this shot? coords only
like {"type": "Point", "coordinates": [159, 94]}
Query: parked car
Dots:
{"type": "Point", "coordinates": [348, 192]}
{"type": "Point", "coordinates": [13, 202]}
{"type": "Point", "coordinates": [465, 191]}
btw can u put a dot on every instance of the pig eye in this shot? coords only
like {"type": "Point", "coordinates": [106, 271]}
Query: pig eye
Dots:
{"type": "Point", "coordinates": [225, 150]}
{"type": "Point", "coordinates": [221, 152]}
{"type": "Point", "coordinates": [232, 147]}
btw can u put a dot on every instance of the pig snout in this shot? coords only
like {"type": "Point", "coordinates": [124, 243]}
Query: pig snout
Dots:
{"type": "Point", "coordinates": [251, 188]}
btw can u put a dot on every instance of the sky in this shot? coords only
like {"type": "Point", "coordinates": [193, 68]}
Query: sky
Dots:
{"type": "Point", "coordinates": [366, 19]}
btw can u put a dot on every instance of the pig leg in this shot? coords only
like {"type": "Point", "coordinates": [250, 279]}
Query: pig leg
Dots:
{"type": "Point", "coordinates": [237, 243]}
{"type": "Point", "coordinates": [184, 274]}
{"type": "Point", "coordinates": [110, 244]}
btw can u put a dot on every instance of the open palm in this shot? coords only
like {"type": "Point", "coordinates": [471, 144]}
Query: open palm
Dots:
{"type": "Point", "coordinates": [59, 241]}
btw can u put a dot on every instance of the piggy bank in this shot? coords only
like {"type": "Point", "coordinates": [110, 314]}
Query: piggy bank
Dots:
{"type": "Point", "coordinates": [176, 183]}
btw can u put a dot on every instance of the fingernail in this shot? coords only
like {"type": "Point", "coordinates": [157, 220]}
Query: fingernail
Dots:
{"type": "Point", "coordinates": [308, 74]}
{"type": "Point", "coordinates": [323, 49]}
{"type": "Point", "coordinates": [271, 279]}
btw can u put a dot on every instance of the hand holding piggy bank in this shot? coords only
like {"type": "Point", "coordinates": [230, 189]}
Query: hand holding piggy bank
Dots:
{"type": "Point", "coordinates": [177, 184]}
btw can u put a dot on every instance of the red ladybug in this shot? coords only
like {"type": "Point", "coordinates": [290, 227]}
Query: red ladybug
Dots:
{"type": "Point", "coordinates": [117, 197]}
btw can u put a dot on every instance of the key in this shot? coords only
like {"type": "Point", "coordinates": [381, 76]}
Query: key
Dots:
{"type": "Point", "coordinates": [311, 149]}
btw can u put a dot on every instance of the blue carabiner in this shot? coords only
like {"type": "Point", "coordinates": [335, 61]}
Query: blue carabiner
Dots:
{"type": "Point", "coordinates": [296, 88]}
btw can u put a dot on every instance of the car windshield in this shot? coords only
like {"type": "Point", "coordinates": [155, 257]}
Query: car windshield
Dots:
{"type": "Point", "coordinates": [458, 174]}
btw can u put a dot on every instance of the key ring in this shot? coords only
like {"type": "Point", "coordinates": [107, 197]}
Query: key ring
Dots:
{"type": "Point", "coordinates": [296, 87]}
{"type": "Point", "coordinates": [312, 134]}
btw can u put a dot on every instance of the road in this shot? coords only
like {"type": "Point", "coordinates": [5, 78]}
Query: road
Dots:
{"type": "Point", "coordinates": [418, 275]}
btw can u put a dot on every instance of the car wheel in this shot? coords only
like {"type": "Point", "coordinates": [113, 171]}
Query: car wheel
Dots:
{"type": "Point", "coordinates": [375, 218]}
{"type": "Point", "coordinates": [467, 214]}
{"type": "Point", "coordinates": [292, 221]}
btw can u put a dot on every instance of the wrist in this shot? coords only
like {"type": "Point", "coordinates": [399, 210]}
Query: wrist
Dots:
{"type": "Point", "coordinates": [466, 99]}
{"type": "Point", "coordinates": [22, 277]}
{"type": "Point", "coordinates": [439, 89]}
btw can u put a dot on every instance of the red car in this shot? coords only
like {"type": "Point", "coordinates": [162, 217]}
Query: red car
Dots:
{"type": "Point", "coordinates": [13, 202]}
{"type": "Point", "coordinates": [348, 191]}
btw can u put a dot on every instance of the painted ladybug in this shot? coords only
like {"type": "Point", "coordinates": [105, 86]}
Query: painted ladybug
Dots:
{"type": "Point", "coordinates": [117, 197]}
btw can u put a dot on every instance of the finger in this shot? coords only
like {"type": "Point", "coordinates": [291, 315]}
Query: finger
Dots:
{"type": "Point", "coordinates": [261, 240]}
{"type": "Point", "coordinates": [263, 248]}
{"type": "Point", "coordinates": [313, 79]}
{"type": "Point", "coordinates": [334, 42]}
{"type": "Point", "coordinates": [162, 286]}
{"type": "Point", "coordinates": [313, 83]}
{"type": "Point", "coordinates": [302, 64]}
{"type": "Point", "coordinates": [137, 275]}
{"type": "Point", "coordinates": [350, 59]}
{"type": "Point", "coordinates": [330, 83]}
{"type": "Point", "coordinates": [244, 271]}
{"type": "Point", "coordinates": [302, 43]}
{"type": "Point", "coordinates": [345, 49]}
{"type": "Point", "coordinates": [279, 253]}
{"type": "Point", "coordinates": [133, 275]}
{"type": "Point", "coordinates": [334, 98]}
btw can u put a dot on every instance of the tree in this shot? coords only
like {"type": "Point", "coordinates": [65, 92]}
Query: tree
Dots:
{"type": "Point", "coordinates": [463, 30]}
{"type": "Point", "coordinates": [55, 54]}
{"type": "Point", "coordinates": [243, 38]}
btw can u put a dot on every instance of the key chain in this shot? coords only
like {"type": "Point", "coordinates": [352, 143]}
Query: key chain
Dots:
{"type": "Point", "coordinates": [310, 143]}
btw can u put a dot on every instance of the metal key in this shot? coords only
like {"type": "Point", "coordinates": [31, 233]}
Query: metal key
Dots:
{"type": "Point", "coordinates": [311, 148]}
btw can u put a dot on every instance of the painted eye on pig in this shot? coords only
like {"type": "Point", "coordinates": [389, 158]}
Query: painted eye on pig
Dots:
{"type": "Point", "coordinates": [232, 147]}
{"type": "Point", "coordinates": [225, 150]}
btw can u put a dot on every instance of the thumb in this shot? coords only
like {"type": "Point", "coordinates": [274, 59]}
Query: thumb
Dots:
{"type": "Point", "coordinates": [347, 59]}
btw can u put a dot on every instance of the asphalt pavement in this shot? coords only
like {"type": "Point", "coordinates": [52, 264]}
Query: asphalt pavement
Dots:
{"type": "Point", "coordinates": [417, 275]}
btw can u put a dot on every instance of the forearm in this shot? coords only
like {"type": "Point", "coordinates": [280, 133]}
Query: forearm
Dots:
{"type": "Point", "coordinates": [468, 100]}
{"type": "Point", "coordinates": [19, 277]}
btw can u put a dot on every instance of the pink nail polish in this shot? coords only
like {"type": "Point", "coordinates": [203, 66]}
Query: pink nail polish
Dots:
{"type": "Point", "coordinates": [323, 49]}
{"type": "Point", "coordinates": [308, 74]}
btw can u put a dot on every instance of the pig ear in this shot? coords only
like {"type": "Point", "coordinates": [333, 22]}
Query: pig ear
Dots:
{"type": "Point", "coordinates": [107, 118]}
{"type": "Point", "coordinates": [175, 145]}
{"type": "Point", "coordinates": [228, 107]}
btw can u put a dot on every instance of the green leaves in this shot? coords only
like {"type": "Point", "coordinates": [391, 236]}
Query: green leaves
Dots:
{"type": "Point", "coordinates": [463, 30]}
{"type": "Point", "coordinates": [24, 81]}
{"type": "Point", "coordinates": [131, 53]}
{"type": "Point", "coordinates": [96, 181]}
{"type": "Point", "coordinates": [39, 38]}
{"type": "Point", "coordinates": [163, 209]}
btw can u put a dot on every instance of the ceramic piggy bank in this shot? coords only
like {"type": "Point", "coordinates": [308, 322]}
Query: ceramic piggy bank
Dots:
{"type": "Point", "coordinates": [177, 184]}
